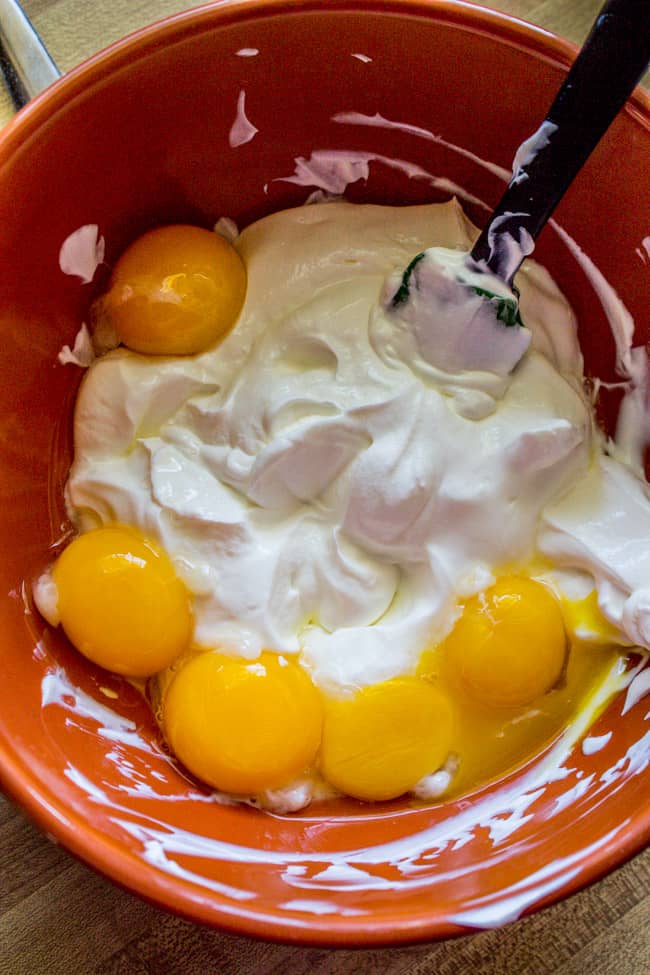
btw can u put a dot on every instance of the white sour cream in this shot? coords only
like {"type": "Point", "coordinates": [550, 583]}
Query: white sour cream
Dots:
{"type": "Point", "coordinates": [320, 482]}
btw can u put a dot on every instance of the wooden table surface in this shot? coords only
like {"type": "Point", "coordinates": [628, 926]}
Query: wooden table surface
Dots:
{"type": "Point", "coordinates": [57, 917]}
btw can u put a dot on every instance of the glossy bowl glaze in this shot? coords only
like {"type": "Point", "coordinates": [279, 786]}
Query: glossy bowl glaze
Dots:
{"type": "Point", "coordinates": [138, 136]}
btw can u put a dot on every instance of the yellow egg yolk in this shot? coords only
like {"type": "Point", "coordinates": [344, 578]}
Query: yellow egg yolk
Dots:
{"type": "Point", "coordinates": [489, 742]}
{"type": "Point", "coordinates": [493, 738]}
{"type": "Point", "coordinates": [121, 603]}
{"type": "Point", "coordinates": [243, 726]}
{"type": "Point", "coordinates": [379, 743]}
{"type": "Point", "coordinates": [175, 291]}
{"type": "Point", "coordinates": [509, 645]}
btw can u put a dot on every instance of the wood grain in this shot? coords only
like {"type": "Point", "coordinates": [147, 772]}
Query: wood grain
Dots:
{"type": "Point", "coordinates": [57, 917]}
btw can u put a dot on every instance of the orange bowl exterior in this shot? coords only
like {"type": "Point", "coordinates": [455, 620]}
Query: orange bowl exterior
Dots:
{"type": "Point", "coordinates": [136, 137]}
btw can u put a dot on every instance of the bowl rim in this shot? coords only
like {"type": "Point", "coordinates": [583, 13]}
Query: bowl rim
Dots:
{"type": "Point", "coordinates": [102, 852]}
{"type": "Point", "coordinates": [110, 58]}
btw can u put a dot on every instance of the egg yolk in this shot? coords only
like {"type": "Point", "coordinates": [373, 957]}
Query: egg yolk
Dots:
{"type": "Point", "coordinates": [243, 726]}
{"type": "Point", "coordinates": [509, 646]}
{"type": "Point", "coordinates": [379, 743]}
{"type": "Point", "coordinates": [121, 603]}
{"type": "Point", "coordinates": [175, 291]}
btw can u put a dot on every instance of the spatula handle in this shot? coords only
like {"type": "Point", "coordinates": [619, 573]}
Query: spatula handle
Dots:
{"type": "Point", "coordinates": [610, 64]}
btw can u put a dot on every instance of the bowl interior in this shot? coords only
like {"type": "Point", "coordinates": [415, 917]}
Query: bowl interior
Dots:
{"type": "Point", "coordinates": [137, 137]}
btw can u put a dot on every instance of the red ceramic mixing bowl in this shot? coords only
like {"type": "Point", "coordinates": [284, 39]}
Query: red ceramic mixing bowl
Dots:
{"type": "Point", "coordinates": [139, 136]}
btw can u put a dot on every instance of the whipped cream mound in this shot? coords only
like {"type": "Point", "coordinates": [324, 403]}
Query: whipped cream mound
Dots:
{"type": "Point", "coordinates": [602, 526]}
{"type": "Point", "coordinates": [322, 482]}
